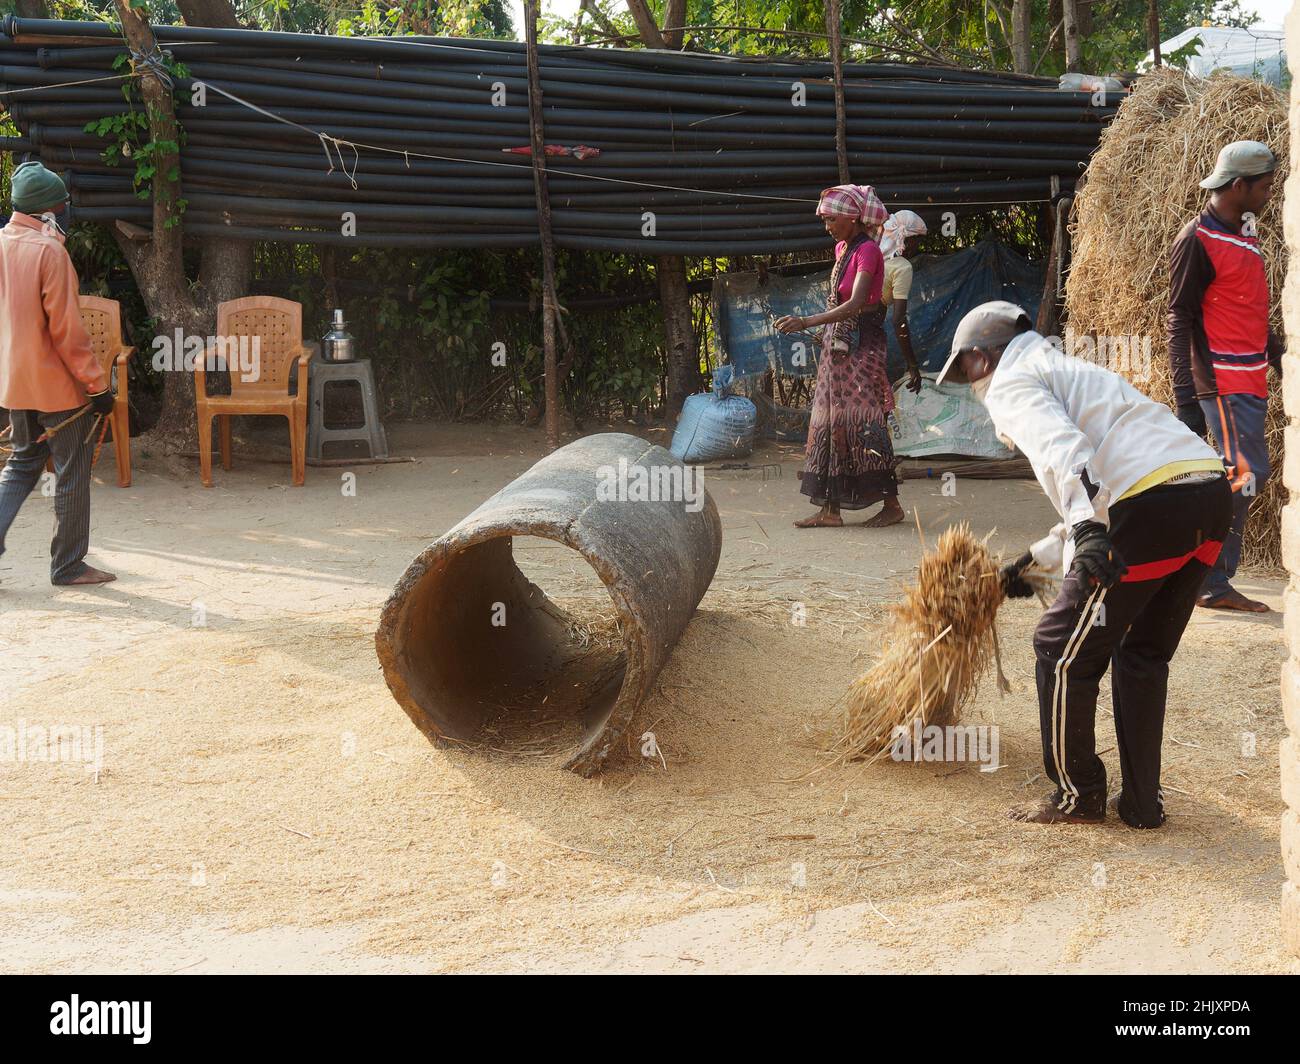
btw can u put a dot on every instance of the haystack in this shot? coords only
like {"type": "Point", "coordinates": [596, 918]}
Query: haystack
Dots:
{"type": "Point", "coordinates": [941, 642]}
{"type": "Point", "coordinates": [1141, 189]}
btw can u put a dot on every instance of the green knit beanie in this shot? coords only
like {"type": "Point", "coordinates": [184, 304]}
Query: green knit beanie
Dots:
{"type": "Point", "coordinates": [36, 189]}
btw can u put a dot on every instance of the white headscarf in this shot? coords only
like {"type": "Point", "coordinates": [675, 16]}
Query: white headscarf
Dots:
{"type": "Point", "coordinates": [898, 227]}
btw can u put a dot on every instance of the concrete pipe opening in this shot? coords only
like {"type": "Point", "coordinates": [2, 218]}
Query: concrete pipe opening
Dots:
{"type": "Point", "coordinates": [476, 653]}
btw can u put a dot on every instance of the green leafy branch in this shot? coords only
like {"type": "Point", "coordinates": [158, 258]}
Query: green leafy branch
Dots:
{"type": "Point", "coordinates": [130, 139]}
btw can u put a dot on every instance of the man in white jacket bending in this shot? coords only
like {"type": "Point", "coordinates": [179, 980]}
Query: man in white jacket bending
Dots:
{"type": "Point", "coordinates": [1144, 507]}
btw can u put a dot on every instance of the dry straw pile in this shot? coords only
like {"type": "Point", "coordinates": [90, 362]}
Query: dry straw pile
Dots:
{"type": "Point", "coordinates": [940, 643]}
{"type": "Point", "coordinates": [1141, 189]}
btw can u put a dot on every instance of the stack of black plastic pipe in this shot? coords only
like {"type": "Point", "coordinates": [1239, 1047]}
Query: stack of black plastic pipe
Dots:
{"type": "Point", "coordinates": [698, 154]}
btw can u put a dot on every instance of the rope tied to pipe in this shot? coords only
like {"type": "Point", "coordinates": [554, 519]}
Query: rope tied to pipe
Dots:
{"type": "Point", "coordinates": [326, 140]}
{"type": "Point", "coordinates": [408, 154]}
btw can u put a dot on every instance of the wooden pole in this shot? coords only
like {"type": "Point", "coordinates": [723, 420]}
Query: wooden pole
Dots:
{"type": "Point", "coordinates": [1048, 317]}
{"type": "Point", "coordinates": [833, 29]}
{"type": "Point", "coordinates": [549, 302]}
{"type": "Point", "coordinates": [1153, 30]}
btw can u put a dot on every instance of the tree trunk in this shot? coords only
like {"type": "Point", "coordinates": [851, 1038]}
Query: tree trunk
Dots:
{"type": "Point", "coordinates": [674, 19]}
{"type": "Point", "coordinates": [597, 16]}
{"type": "Point", "coordinates": [217, 14]}
{"type": "Point", "coordinates": [1070, 11]}
{"type": "Point", "coordinates": [645, 23]}
{"type": "Point", "coordinates": [158, 263]}
{"type": "Point", "coordinates": [1022, 28]}
{"type": "Point", "coordinates": [1153, 29]}
{"type": "Point", "coordinates": [675, 297]}
{"type": "Point", "coordinates": [32, 9]}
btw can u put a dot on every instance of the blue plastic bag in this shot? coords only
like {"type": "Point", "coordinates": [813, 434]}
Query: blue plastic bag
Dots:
{"type": "Point", "coordinates": [712, 427]}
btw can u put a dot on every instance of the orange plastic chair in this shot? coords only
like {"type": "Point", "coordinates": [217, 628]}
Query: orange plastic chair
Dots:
{"type": "Point", "coordinates": [273, 327]}
{"type": "Point", "coordinates": [103, 320]}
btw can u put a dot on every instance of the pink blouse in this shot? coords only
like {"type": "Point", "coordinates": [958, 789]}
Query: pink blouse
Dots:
{"type": "Point", "coordinates": [866, 256]}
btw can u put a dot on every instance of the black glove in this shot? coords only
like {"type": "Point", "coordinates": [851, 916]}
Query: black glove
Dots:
{"type": "Point", "coordinates": [1014, 584]}
{"type": "Point", "coordinates": [1095, 558]}
{"type": "Point", "coordinates": [1191, 415]}
{"type": "Point", "coordinates": [102, 402]}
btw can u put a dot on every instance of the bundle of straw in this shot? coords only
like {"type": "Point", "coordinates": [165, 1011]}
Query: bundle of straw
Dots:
{"type": "Point", "coordinates": [1141, 189]}
{"type": "Point", "coordinates": [939, 645]}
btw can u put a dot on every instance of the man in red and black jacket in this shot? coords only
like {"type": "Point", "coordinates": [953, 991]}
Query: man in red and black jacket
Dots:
{"type": "Point", "coordinates": [1220, 343]}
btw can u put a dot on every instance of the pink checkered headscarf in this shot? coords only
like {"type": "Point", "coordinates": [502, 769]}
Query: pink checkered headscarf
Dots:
{"type": "Point", "coordinates": [853, 201]}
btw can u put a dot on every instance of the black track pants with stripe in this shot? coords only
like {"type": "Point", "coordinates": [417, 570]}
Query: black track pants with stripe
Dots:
{"type": "Point", "coordinates": [1169, 536]}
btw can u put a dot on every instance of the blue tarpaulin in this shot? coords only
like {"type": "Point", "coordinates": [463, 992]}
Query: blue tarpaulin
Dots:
{"type": "Point", "coordinates": [944, 287]}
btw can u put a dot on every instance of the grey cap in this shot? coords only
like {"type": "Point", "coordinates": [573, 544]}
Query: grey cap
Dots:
{"type": "Point", "coordinates": [1241, 158]}
{"type": "Point", "coordinates": [989, 325]}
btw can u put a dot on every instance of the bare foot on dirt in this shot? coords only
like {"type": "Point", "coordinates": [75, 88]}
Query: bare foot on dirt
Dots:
{"type": "Point", "coordinates": [891, 514]}
{"type": "Point", "coordinates": [1044, 811]}
{"type": "Point", "coordinates": [1233, 599]}
{"type": "Point", "coordinates": [821, 519]}
{"type": "Point", "coordinates": [88, 575]}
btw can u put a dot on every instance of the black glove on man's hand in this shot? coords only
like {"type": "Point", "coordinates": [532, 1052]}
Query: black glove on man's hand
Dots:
{"type": "Point", "coordinates": [1191, 415]}
{"type": "Point", "coordinates": [1095, 558]}
{"type": "Point", "coordinates": [1014, 584]}
{"type": "Point", "coordinates": [102, 402]}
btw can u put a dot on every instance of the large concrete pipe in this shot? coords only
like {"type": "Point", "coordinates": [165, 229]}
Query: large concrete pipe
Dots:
{"type": "Point", "coordinates": [476, 653]}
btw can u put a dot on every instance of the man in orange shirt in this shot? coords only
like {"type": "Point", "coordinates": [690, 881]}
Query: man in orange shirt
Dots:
{"type": "Point", "coordinates": [48, 371]}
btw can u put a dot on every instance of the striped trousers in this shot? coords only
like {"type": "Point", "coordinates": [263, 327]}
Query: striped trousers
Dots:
{"type": "Point", "coordinates": [72, 461]}
{"type": "Point", "coordinates": [1169, 536]}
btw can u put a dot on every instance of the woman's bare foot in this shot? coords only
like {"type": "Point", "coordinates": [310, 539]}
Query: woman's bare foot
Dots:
{"type": "Point", "coordinates": [891, 514]}
{"type": "Point", "coordinates": [821, 519]}
{"type": "Point", "coordinates": [1044, 811]}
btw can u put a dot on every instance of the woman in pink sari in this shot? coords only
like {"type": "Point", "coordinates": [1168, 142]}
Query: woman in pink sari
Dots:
{"type": "Point", "coordinates": [849, 459]}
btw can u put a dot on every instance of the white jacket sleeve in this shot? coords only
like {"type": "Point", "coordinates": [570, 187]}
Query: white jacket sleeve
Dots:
{"type": "Point", "coordinates": [1025, 411]}
{"type": "Point", "coordinates": [1049, 552]}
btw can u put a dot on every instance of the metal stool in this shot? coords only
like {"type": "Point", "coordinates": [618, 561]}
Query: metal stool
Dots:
{"type": "Point", "coordinates": [323, 373]}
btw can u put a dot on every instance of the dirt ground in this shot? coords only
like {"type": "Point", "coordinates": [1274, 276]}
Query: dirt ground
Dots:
{"type": "Point", "coordinates": [262, 803]}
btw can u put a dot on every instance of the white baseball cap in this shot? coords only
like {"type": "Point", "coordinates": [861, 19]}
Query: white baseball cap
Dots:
{"type": "Point", "coordinates": [1241, 158]}
{"type": "Point", "coordinates": [988, 325]}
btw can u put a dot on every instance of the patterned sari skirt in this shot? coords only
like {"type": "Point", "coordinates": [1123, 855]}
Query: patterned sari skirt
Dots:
{"type": "Point", "coordinates": [849, 459]}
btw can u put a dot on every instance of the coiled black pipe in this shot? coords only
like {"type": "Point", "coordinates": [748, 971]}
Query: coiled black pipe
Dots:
{"type": "Point", "coordinates": [716, 147]}
{"type": "Point", "coordinates": [339, 89]}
